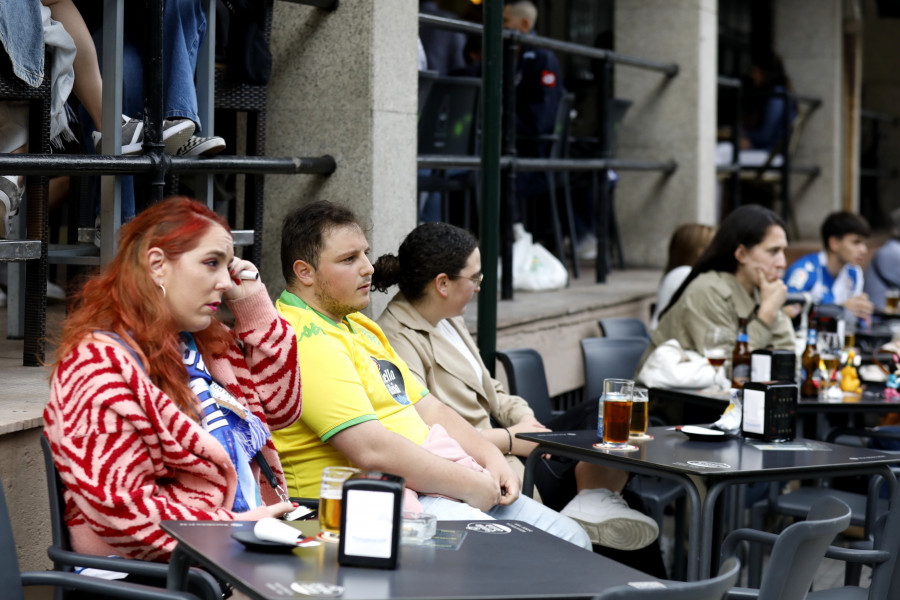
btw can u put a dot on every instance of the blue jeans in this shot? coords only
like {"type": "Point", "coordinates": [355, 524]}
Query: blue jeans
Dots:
{"type": "Point", "coordinates": [524, 509]}
{"type": "Point", "coordinates": [184, 27]}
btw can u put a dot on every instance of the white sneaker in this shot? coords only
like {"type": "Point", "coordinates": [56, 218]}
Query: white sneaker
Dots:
{"type": "Point", "coordinates": [586, 248]}
{"type": "Point", "coordinates": [55, 291]}
{"type": "Point", "coordinates": [201, 146]}
{"type": "Point", "coordinates": [175, 133]}
{"type": "Point", "coordinates": [10, 199]}
{"type": "Point", "coordinates": [609, 521]}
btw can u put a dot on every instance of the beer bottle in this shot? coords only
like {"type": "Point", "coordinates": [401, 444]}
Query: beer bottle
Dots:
{"type": "Point", "coordinates": [810, 362]}
{"type": "Point", "coordinates": [740, 357]}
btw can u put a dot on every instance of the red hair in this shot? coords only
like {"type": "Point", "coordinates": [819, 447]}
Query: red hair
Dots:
{"type": "Point", "coordinates": [124, 299]}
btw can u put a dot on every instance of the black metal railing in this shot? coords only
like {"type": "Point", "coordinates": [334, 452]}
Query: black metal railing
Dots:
{"type": "Point", "coordinates": [498, 155]}
{"type": "Point", "coordinates": [153, 162]}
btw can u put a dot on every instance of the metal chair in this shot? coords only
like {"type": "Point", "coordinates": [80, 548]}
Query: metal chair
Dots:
{"type": "Point", "coordinates": [617, 358]}
{"type": "Point", "coordinates": [609, 357]}
{"type": "Point", "coordinates": [866, 509]}
{"type": "Point", "coordinates": [65, 559]}
{"type": "Point", "coordinates": [12, 580]}
{"type": "Point", "coordinates": [623, 327]}
{"type": "Point", "coordinates": [796, 552]}
{"type": "Point", "coordinates": [707, 589]}
{"type": "Point", "coordinates": [882, 558]}
{"type": "Point", "coordinates": [448, 126]}
{"type": "Point", "coordinates": [526, 378]}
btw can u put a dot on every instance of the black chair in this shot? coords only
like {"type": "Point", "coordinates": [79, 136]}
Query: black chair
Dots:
{"type": "Point", "coordinates": [609, 358]}
{"type": "Point", "coordinates": [707, 589]}
{"type": "Point", "coordinates": [526, 378]}
{"type": "Point", "coordinates": [65, 560]}
{"type": "Point", "coordinates": [623, 327]}
{"type": "Point", "coordinates": [796, 552]}
{"type": "Point", "coordinates": [448, 126]}
{"type": "Point", "coordinates": [617, 358]}
{"type": "Point", "coordinates": [866, 508]}
{"type": "Point", "coordinates": [882, 557]}
{"type": "Point", "coordinates": [12, 580]}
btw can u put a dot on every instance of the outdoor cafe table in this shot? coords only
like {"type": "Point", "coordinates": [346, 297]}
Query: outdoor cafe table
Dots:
{"type": "Point", "coordinates": [706, 469]}
{"type": "Point", "coordinates": [707, 406]}
{"type": "Point", "coordinates": [493, 559]}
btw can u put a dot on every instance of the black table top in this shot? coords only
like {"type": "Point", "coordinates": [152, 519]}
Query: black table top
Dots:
{"type": "Point", "coordinates": [515, 561]}
{"type": "Point", "coordinates": [871, 400]}
{"type": "Point", "coordinates": [672, 451]}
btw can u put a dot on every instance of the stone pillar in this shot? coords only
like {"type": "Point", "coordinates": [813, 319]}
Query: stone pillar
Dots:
{"type": "Point", "coordinates": [669, 119]}
{"type": "Point", "coordinates": [344, 83]}
{"type": "Point", "coordinates": [808, 36]}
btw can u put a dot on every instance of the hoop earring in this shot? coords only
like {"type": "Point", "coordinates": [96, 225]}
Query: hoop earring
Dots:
{"type": "Point", "coordinates": [163, 288]}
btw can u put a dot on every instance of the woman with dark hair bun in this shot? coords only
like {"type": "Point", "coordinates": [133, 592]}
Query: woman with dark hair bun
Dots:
{"type": "Point", "coordinates": [438, 270]}
{"type": "Point", "coordinates": [738, 275]}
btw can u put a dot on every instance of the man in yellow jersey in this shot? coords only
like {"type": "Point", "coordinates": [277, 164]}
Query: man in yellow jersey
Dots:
{"type": "Point", "coordinates": [362, 406]}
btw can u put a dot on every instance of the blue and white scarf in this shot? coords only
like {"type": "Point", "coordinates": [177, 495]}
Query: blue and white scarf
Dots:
{"type": "Point", "coordinates": [240, 432]}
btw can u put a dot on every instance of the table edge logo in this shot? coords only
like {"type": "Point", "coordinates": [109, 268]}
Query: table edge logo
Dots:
{"type": "Point", "coordinates": [317, 588]}
{"type": "Point", "coordinates": [488, 527]}
{"type": "Point", "coordinates": [707, 464]}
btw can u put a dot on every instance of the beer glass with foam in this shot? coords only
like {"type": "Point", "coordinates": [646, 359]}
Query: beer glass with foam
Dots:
{"type": "Point", "coordinates": [333, 479]}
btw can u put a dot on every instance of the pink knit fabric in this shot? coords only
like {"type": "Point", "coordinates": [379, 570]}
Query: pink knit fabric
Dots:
{"type": "Point", "coordinates": [130, 458]}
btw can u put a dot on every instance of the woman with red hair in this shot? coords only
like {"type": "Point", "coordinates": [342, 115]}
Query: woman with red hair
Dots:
{"type": "Point", "coordinates": [159, 411]}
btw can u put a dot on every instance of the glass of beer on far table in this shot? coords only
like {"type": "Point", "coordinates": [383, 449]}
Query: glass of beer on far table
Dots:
{"type": "Point", "coordinates": [330, 492]}
{"type": "Point", "coordinates": [638, 429]}
{"type": "Point", "coordinates": [892, 301]}
{"type": "Point", "coordinates": [616, 408]}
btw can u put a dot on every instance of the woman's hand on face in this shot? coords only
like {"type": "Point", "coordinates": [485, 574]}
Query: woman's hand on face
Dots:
{"type": "Point", "coordinates": [241, 287]}
{"type": "Point", "coordinates": [772, 295]}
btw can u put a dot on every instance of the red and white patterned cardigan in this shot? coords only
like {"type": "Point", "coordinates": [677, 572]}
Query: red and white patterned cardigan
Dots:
{"type": "Point", "coordinates": [130, 458]}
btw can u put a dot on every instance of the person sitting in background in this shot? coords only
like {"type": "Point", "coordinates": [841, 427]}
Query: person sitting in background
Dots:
{"type": "Point", "coordinates": [362, 405]}
{"type": "Point", "coordinates": [685, 246]}
{"type": "Point", "coordinates": [157, 410]}
{"type": "Point", "coordinates": [539, 89]}
{"type": "Point", "coordinates": [738, 275]}
{"type": "Point", "coordinates": [764, 107]}
{"type": "Point", "coordinates": [834, 275]}
{"type": "Point", "coordinates": [883, 272]}
{"type": "Point", "coordinates": [438, 269]}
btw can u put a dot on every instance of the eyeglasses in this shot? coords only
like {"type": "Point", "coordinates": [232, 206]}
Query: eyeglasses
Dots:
{"type": "Point", "coordinates": [477, 279]}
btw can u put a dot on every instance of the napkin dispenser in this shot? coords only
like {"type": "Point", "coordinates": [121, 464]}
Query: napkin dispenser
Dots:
{"type": "Point", "coordinates": [770, 410]}
{"type": "Point", "coordinates": [371, 503]}
{"type": "Point", "coordinates": [773, 365]}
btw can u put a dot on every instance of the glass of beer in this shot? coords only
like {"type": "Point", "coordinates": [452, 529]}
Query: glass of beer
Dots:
{"type": "Point", "coordinates": [638, 429]}
{"type": "Point", "coordinates": [616, 407]}
{"type": "Point", "coordinates": [330, 492]}
{"type": "Point", "coordinates": [718, 344]}
{"type": "Point", "coordinates": [892, 301]}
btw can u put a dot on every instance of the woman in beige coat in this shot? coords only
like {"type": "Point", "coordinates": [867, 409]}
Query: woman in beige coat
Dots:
{"type": "Point", "coordinates": [438, 269]}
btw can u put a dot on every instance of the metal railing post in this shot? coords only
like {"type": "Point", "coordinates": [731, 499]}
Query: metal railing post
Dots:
{"type": "Point", "coordinates": [492, 74]}
{"type": "Point", "coordinates": [153, 97]}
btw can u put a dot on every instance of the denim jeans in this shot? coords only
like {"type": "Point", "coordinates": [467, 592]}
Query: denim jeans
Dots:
{"type": "Point", "coordinates": [523, 509]}
{"type": "Point", "coordinates": [22, 36]}
{"type": "Point", "coordinates": [184, 27]}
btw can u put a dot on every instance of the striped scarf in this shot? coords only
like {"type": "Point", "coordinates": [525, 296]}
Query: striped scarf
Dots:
{"type": "Point", "coordinates": [240, 432]}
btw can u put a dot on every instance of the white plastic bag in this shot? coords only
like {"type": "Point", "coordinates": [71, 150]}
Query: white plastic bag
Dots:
{"type": "Point", "coordinates": [671, 366]}
{"type": "Point", "coordinates": [534, 267]}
